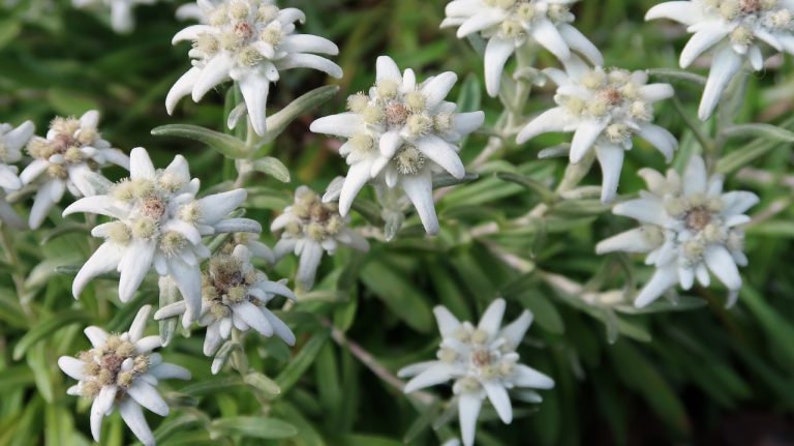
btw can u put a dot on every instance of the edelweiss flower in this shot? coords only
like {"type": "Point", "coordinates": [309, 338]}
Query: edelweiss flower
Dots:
{"type": "Point", "coordinates": [733, 28]}
{"type": "Point", "coordinates": [249, 42]}
{"type": "Point", "coordinates": [234, 296]}
{"type": "Point", "coordinates": [121, 17]}
{"type": "Point", "coordinates": [311, 227]}
{"type": "Point", "coordinates": [61, 161]}
{"type": "Point", "coordinates": [404, 133]}
{"type": "Point", "coordinates": [11, 142]}
{"type": "Point", "coordinates": [483, 362]}
{"type": "Point", "coordinates": [159, 222]}
{"type": "Point", "coordinates": [689, 227]}
{"type": "Point", "coordinates": [511, 24]}
{"type": "Point", "coordinates": [604, 109]}
{"type": "Point", "coordinates": [121, 370]}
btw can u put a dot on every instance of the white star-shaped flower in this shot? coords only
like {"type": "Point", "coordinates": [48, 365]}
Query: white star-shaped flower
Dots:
{"type": "Point", "coordinates": [121, 371]}
{"type": "Point", "coordinates": [122, 19]}
{"type": "Point", "coordinates": [311, 227]}
{"type": "Point", "coordinates": [401, 133]}
{"type": "Point", "coordinates": [234, 295]}
{"type": "Point", "coordinates": [511, 24]}
{"type": "Point", "coordinates": [158, 222]}
{"type": "Point", "coordinates": [11, 142]}
{"type": "Point", "coordinates": [482, 361]}
{"type": "Point", "coordinates": [249, 42]}
{"type": "Point", "coordinates": [734, 29]}
{"type": "Point", "coordinates": [605, 108]}
{"type": "Point", "coordinates": [62, 161]}
{"type": "Point", "coordinates": [690, 227]}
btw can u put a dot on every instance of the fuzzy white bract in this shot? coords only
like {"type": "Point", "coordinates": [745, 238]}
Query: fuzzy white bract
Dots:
{"type": "Point", "coordinates": [62, 161]}
{"type": "Point", "coordinates": [122, 19]}
{"type": "Point", "coordinates": [734, 29]}
{"type": "Point", "coordinates": [482, 361]}
{"type": "Point", "coordinates": [121, 371]}
{"type": "Point", "coordinates": [690, 227]}
{"type": "Point", "coordinates": [511, 24]}
{"type": "Point", "coordinates": [158, 221]}
{"type": "Point", "coordinates": [249, 42]}
{"type": "Point", "coordinates": [605, 108]}
{"type": "Point", "coordinates": [401, 133]}
{"type": "Point", "coordinates": [311, 227]}
{"type": "Point", "coordinates": [234, 295]}
{"type": "Point", "coordinates": [12, 139]}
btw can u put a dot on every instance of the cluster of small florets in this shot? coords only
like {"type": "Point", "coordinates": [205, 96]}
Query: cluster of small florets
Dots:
{"type": "Point", "coordinates": [313, 218]}
{"type": "Point", "coordinates": [247, 29]}
{"type": "Point", "coordinates": [522, 13]}
{"type": "Point", "coordinates": [226, 283]}
{"type": "Point", "coordinates": [613, 95]}
{"type": "Point", "coordinates": [747, 15]}
{"type": "Point", "coordinates": [64, 146]}
{"type": "Point", "coordinates": [116, 363]}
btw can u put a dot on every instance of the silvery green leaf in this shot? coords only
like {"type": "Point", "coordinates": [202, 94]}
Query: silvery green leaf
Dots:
{"type": "Point", "coordinates": [273, 167]}
{"type": "Point", "coordinates": [278, 122]}
{"type": "Point", "coordinates": [251, 427]}
{"type": "Point", "coordinates": [671, 74]}
{"type": "Point", "coordinates": [226, 145]}
{"type": "Point", "coordinates": [766, 131]}
{"type": "Point", "coordinates": [261, 382]}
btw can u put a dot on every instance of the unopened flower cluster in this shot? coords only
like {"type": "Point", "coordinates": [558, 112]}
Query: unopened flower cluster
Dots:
{"type": "Point", "coordinates": [483, 363]}
{"type": "Point", "coordinates": [690, 227]}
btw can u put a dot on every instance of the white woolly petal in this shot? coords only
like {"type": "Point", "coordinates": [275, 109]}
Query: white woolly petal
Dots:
{"type": "Point", "coordinates": [148, 343]}
{"type": "Point", "coordinates": [724, 66]}
{"type": "Point", "coordinates": [662, 280]}
{"type": "Point", "coordinates": [442, 153]}
{"type": "Point", "coordinates": [132, 414]}
{"type": "Point", "coordinates": [439, 373]}
{"type": "Point", "coordinates": [552, 120]}
{"type": "Point", "coordinates": [492, 318]}
{"type": "Point", "coordinates": [686, 276]}
{"type": "Point", "coordinates": [695, 176]}
{"type": "Point", "coordinates": [581, 44]}
{"type": "Point", "coordinates": [148, 397]}
{"type": "Point", "coordinates": [33, 170]}
{"type": "Point", "coordinates": [48, 194]}
{"type": "Point", "coordinates": [133, 266]}
{"type": "Point", "coordinates": [644, 210]}
{"type": "Point", "coordinates": [105, 259]}
{"type": "Point", "coordinates": [701, 41]}
{"type": "Point", "coordinates": [96, 335]}
{"type": "Point", "coordinates": [514, 332]}
{"type": "Point", "coordinates": [659, 138]}
{"type": "Point", "coordinates": [254, 317]}
{"type": "Point", "coordinates": [702, 274]}
{"type": "Point", "coordinates": [165, 370]}
{"type": "Point", "coordinates": [737, 202]}
{"type": "Point", "coordinates": [585, 136]}
{"type": "Point", "coordinates": [216, 206]}
{"type": "Point", "coordinates": [468, 410]}
{"type": "Point", "coordinates": [465, 123]}
{"type": "Point", "coordinates": [656, 92]}
{"type": "Point", "coordinates": [188, 280]}
{"type": "Point", "coordinates": [101, 406]}
{"type": "Point", "coordinates": [721, 263]}
{"type": "Point", "coordinates": [139, 323]}
{"type": "Point", "coordinates": [280, 328]}
{"type": "Point", "coordinates": [308, 43]}
{"type": "Point", "coordinates": [389, 143]}
{"type": "Point", "coordinates": [170, 310]}
{"type": "Point", "coordinates": [415, 369]}
{"type": "Point", "coordinates": [419, 189]}
{"type": "Point", "coordinates": [686, 12]}
{"type": "Point", "coordinates": [255, 88]}
{"type": "Point", "coordinates": [610, 157]}
{"type": "Point", "coordinates": [342, 124]}
{"type": "Point", "coordinates": [525, 376]}
{"type": "Point", "coordinates": [437, 88]}
{"type": "Point", "coordinates": [181, 88]}
{"type": "Point", "coordinates": [500, 400]}
{"type": "Point", "coordinates": [357, 177]}
{"type": "Point", "coordinates": [633, 240]}
{"type": "Point", "coordinates": [312, 61]}
{"type": "Point", "coordinates": [548, 36]}
{"type": "Point", "coordinates": [447, 322]}
{"type": "Point", "coordinates": [214, 72]}
{"type": "Point", "coordinates": [141, 166]}
{"type": "Point", "coordinates": [308, 264]}
{"type": "Point", "coordinates": [496, 54]}
{"type": "Point", "coordinates": [386, 68]}
{"type": "Point", "coordinates": [478, 22]}
{"type": "Point", "coordinates": [73, 367]}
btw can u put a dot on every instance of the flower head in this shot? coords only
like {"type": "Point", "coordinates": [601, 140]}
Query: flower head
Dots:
{"type": "Point", "coordinates": [11, 142]}
{"type": "Point", "coordinates": [605, 108]}
{"type": "Point", "coordinates": [690, 227]}
{"type": "Point", "coordinates": [401, 133]}
{"type": "Point", "coordinates": [249, 42]}
{"type": "Point", "coordinates": [158, 221]}
{"type": "Point", "coordinates": [734, 28]}
{"type": "Point", "coordinates": [511, 24]}
{"type": "Point", "coordinates": [121, 371]}
{"type": "Point", "coordinates": [482, 361]}
{"type": "Point", "coordinates": [73, 147]}
{"type": "Point", "coordinates": [121, 16]}
{"type": "Point", "coordinates": [309, 228]}
{"type": "Point", "coordinates": [234, 295]}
